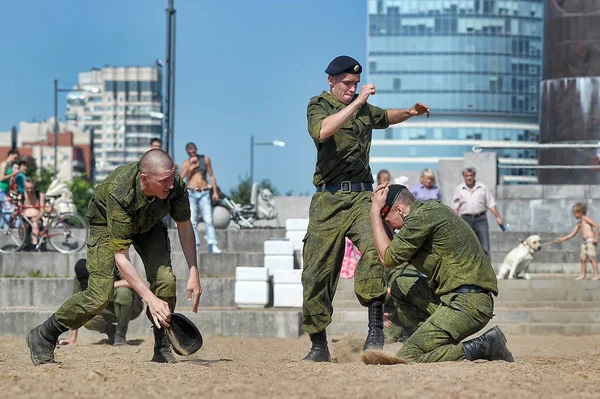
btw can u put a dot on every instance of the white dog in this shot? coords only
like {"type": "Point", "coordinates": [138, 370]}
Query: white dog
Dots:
{"type": "Point", "coordinates": [517, 261]}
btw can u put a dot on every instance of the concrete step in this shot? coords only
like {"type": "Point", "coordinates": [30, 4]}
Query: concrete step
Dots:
{"type": "Point", "coordinates": [50, 293]}
{"type": "Point", "coordinates": [61, 265]}
{"type": "Point", "coordinates": [268, 323]}
{"type": "Point", "coordinates": [231, 240]}
{"type": "Point", "coordinates": [530, 321]}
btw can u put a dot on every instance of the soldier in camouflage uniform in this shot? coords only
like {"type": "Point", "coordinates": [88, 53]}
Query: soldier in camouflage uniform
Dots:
{"type": "Point", "coordinates": [125, 305]}
{"type": "Point", "coordinates": [340, 122]}
{"type": "Point", "coordinates": [455, 300]}
{"type": "Point", "coordinates": [126, 209]}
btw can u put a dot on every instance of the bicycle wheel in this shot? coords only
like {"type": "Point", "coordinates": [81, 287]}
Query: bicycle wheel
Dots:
{"type": "Point", "coordinates": [13, 233]}
{"type": "Point", "coordinates": [67, 232]}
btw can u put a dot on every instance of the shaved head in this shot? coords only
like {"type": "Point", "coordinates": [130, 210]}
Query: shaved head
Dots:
{"type": "Point", "coordinates": [156, 161]}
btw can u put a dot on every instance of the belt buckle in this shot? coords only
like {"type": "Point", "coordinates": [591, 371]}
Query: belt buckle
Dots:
{"type": "Point", "coordinates": [346, 184]}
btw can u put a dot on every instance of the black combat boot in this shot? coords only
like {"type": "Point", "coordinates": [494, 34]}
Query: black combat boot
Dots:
{"type": "Point", "coordinates": [319, 352]}
{"type": "Point", "coordinates": [491, 345]}
{"type": "Point", "coordinates": [162, 347]}
{"type": "Point", "coordinates": [120, 334]}
{"type": "Point", "coordinates": [42, 341]}
{"type": "Point", "coordinates": [375, 337]}
{"type": "Point", "coordinates": [110, 332]}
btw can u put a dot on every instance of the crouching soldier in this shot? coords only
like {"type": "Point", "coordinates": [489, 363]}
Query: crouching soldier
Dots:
{"type": "Point", "coordinates": [455, 300]}
{"type": "Point", "coordinates": [125, 305]}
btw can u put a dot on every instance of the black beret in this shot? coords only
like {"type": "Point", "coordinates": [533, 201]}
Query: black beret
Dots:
{"type": "Point", "coordinates": [81, 271]}
{"type": "Point", "coordinates": [343, 64]}
{"type": "Point", "coordinates": [394, 191]}
{"type": "Point", "coordinates": [183, 335]}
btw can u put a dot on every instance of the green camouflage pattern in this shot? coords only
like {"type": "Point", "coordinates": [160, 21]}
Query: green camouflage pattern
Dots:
{"type": "Point", "coordinates": [345, 155]}
{"type": "Point", "coordinates": [441, 245]}
{"type": "Point", "coordinates": [120, 216]}
{"type": "Point", "coordinates": [444, 321]}
{"type": "Point", "coordinates": [120, 206]}
{"type": "Point", "coordinates": [332, 217]}
{"type": "Point", "coordinates": [125, 305]}
{"type": "Point", "coordinates": [401, 326]}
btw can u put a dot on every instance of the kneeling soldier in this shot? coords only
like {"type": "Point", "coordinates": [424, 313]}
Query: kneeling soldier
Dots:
{"type": "Point", "coordinates": [455, 300]}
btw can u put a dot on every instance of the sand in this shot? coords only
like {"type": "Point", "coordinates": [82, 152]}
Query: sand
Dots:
{"type": "Point", "coordinates": [546, 366]}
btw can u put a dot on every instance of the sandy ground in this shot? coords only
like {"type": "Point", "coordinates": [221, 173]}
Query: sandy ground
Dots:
{"type": "Point", "coordinates": [546, 366]}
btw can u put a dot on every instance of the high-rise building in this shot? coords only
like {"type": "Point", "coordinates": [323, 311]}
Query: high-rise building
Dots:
{"type": "Point", "coordinates": [123, 109]}
{"type": "Point", "coordinates": [475, 63]}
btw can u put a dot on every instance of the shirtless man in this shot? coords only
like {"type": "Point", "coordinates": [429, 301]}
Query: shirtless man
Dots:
{"type": "Point", "coordinates": [589, 233]}
{"type": "Point", "coordinates": [194, 171]}
{"type": "Point", "coordinates": [34, 203]}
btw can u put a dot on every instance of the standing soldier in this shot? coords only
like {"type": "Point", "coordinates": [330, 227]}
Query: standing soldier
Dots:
{"type": "Point", "coordinates": [126, 209]}
{"type": "Point", "coordinates": [341, 122]}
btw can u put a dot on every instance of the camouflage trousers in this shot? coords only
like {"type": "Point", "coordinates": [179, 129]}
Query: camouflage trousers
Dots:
{"type": "Point", "coordinates": [154, 249]}
{"type": "Point", "coordinates": [126, 305]}
{"type": "Point", "coordinates": [332, 217]}
{"type": "Point", "coordinates": [401, 327]}
{"type": "Point", "coordinates": [443, 321]}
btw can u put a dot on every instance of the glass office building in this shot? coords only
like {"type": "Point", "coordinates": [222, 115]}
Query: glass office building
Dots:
{"type": "Point", "coordinates": [475, 63]}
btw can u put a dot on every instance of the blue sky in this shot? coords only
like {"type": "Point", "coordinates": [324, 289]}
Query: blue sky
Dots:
{"type": "Point", "coordinates": [243, 67]}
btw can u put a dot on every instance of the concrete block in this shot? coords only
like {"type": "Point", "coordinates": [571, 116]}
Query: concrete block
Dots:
{"type": "Point", "coordinates": [572, 191]}
{"type": "Point", "coordinates": [243, 273]}
{"type": "Point", "coordinates": [296, 238]}
{"type": "Point", "coordinates": [594, 191]}
{"type": "Point", "coordinates": [296, 225]}
{"type": "Point", "coordinates": [278, 247]}
{"type": "Point", "coordinates": [251, 294]}
{"type": "Point", "coordinates": [216, 265]}
{"type": "Point", "coordinates": [449, 175]}
{"type": "Point", "coordinates": [287, 295]}
{"type": "Point", "coordinates": [251, 240]}
{"type": "Point", "coordinates": [278, 262]}
{"type": "Point", "coordinates": [287, 277]}
{"type": "Point", "coordinates": [509, 192]}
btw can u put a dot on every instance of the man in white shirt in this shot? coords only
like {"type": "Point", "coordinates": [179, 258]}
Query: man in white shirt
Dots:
{"type": "Point", "coordinates": [471, 201]}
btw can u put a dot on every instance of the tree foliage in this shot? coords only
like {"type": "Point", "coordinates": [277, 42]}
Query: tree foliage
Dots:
{"type": "Point", "coordinates": [241, 194]}
{"type": "Point", "coordinates": [82, 190]}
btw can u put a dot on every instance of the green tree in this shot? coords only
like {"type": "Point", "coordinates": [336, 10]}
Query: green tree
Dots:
{"type": "Point", "coordinates": [82, 191]}
{"type": "Point", "coordinates": [43, 178]}
{"type": "Point", "coordinates": [241, 194]}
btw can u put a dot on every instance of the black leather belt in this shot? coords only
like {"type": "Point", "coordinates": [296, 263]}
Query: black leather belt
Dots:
{"type": "Point", "coordinates": [199, 190]}
{"type": "Point", "coordinates": [470, 289]}
{"type": "Point", "coordinates": [345, 187]}
{"type": "Point", "coordinates": [472, 215]}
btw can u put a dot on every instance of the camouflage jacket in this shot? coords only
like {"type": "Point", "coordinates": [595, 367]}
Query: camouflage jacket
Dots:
{"type": "Point", "coordinates": [345, 155]}
{"type": "Point", "coordinates": [120, 209]}
{"type": "Point", "coordinates": [442, 246]}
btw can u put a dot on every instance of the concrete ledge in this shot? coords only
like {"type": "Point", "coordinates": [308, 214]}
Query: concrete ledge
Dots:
{"type": "Point", "coordinates": [52, 264]}
{"type": "Point", "coordinates": [572, 191]}
{"type": "Point", "coordinates": [50, 293]}
{"type": "Point", "coordinates": [226, 322]}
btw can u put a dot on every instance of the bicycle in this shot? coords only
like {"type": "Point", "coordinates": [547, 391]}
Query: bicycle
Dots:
{"type": "Point", "coordinates": [65, 232]}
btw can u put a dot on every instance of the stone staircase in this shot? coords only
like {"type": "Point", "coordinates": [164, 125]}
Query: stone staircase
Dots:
{"type": "Point", "coordinates": [26, 302]}
{"type": "Point", "coordinates": [551, 303]}
{"type": "Point", "coordinates": [548, 304]}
